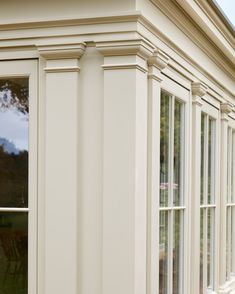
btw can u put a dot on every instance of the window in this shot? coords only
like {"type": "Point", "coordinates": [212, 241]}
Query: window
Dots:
{"type": "Point", "coordinates": [172, 202]}
{"type": "Point", "coordinates": [18, 177]}
{"type": "Point", "coordinates": [207, 203]}
{"type": "Point", "coordinates": [230, 207]}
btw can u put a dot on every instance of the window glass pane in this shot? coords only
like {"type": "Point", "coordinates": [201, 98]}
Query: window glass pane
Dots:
{"type": "Point", "coordinates": [210, 161]}
{"type": "Point", "coordinates": [13, 253]}
{"type": "Point", "coordinates": [178, 145]}
{"type": "Point", "coordinates": [210, 247]}
{"type": "Point", "coordinates": [202, 155]}
{"type": "Point", "coordinates": [163, 252]}
{"type": "Point", "coordinates": [164, 149]}
{"type": "Point", "coordinates": [233, 241]}
{"type": "Point", "coordinates": [177, 249]}
{"type": "Point", "coordinates": [14, 142]}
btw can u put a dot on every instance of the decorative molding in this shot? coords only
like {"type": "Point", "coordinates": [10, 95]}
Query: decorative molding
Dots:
{"type": "Point", "coordinates": [138, 47]}
{"type": "Point", "coordinates": [198, 89]}
{"type": "Point", "coordinates": [159, 59]}
{"type": "Point", "coordinates": [62, 69]}
{"type": "Point", "coordinates": [197, 101]}
{"type": "Point", "coordinates": [226, 108]}
{"type": "Point", "coordinates": [124, 66]}
{"type": "Point", "coordinates": [154, 77]}
{"type": "Point", "coordinates": [61, 51]}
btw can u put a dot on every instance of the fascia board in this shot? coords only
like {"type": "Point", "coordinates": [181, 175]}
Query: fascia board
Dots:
{"type": "Point", "coordinates": [212, 31]}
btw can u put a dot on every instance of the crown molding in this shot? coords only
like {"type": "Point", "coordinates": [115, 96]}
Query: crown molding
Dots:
{"type": "Point", "coordinates": [61, 51]}
{"type": "Point", "coordinates": [138, 47]}
{"type": "Point", "coordinates": [199, 89]}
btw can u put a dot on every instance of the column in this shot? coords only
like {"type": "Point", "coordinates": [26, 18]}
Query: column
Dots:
{"type": "Point", "coordinates": [198, 91]}
{"type": "Point", "coordinates": [156, 63]}
{"type": "Point", "coordinates": [125, 166]}
{"type": "Point", "coordinates": [225, 110]}
{"type": "Point", "coordinates": [61, 90]}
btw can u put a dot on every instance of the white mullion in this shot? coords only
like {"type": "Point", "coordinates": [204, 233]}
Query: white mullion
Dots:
{"type": "Point", "coordinates": [13, 209]}
{"type": "Point", "coordinates": [169, 208]}
{"type": "Point", "coordinates": [182, 198]}
{"type": "Point", "coordinates": [170, 199]}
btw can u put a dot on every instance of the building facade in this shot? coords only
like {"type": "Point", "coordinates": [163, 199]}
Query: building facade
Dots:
{"type": "Point", "coordinates": [117, 156]}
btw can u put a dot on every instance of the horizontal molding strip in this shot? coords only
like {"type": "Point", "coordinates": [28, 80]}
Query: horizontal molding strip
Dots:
{"type": "Point", "coordinates": [13, 209]}
{"type": "Point", "coordinates": [62, 69]}
{"type": "Point", "coordinates": [124, 66]}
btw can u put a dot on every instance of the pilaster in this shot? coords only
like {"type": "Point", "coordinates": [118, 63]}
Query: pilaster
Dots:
{"type": "Point", "coordinates": [125, 165]}
{"type": "Point", "coordinates": [225, 110]}
{"type": "Point", "coordinates": [61, 90]}
{"type": "Point", "coordinates": [156, 63]}
{"type": "Point", "coordinates": [198, 91]}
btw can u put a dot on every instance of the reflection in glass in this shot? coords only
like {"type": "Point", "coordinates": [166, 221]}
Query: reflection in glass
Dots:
{"type": "Point", "coordinates": [14, 142]}
{"type": "Point", "coordinates": [164, 149]}
{"type": "Point", "coordinates": [177, 249]}
{"type": "Point", "coordinates": [13, 253]}
{"type": "Point", "coordinates": [163, 251]}
{"type": "Point", "coordinates": [201, 249]}
{"type": "Point", "coordinates": [209, 161]}
{"type": "Point", "coordinates": [177, 152]}
{"type": "Point", "coordinates": [228, 243]}
{"type": "Point", "coordinates": [209, 247]}
{"type": "Point", "coordinates": [202, 155]}
{"type": "Point", "coordinates": [233, 241]}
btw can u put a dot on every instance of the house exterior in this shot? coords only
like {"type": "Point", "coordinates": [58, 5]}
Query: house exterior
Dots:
{"type": "Point", "coordinates": [117, 154]}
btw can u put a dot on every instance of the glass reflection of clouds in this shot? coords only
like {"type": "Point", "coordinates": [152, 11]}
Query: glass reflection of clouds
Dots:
{"type": "Point", "coordinates": [13, 121]}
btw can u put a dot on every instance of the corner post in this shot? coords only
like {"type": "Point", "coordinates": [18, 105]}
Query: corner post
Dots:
{"type": "Point", "coordinates": [198, 91]}
{"type": "Point", "coordinates": [125, 165]}
{"type": "Point", "coordinates": [60, 197]}
{"type": "Point", "coordinates": [225, 110]}
{"type": "Point", "coordinates": [156, 63]}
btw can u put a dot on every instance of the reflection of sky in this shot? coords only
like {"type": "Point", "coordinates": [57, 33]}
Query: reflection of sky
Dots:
{"type": "Point", "coordinates": [14, 127]}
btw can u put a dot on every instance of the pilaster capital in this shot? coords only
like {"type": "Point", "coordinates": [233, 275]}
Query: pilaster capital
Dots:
{"type": "Point", "coordinates": [158, 59]}
{"type": "Point", "coordinates": [198, 89]}
{"type": "Point", "coordinates": [61, 51]}
{"type": "Point", "coordinates": [138, 47]}
{"type": "Point", "coordinates": [225, 109]}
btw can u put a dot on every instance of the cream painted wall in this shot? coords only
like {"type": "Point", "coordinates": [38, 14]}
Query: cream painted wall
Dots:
{"type": "Point", "coordinates": [182, 41]}
{"type": "Point", "coordinates": [31, 10]}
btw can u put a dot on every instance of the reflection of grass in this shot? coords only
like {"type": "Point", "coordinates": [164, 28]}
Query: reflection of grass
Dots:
{"type": "Point", "coordinates": [13, 253]}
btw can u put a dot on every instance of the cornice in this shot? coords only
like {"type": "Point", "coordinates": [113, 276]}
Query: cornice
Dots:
{"type": "Point", "coordinates": [159, 59]}
{"type": "Point", "coordinates": [61, 51]}
{"type": "Point", "coordinates": [138, 47]}
{"type": "Point", "coordinates": [222, 54]}
{"type": "Point", "coordinates": [199, 89]}
{"type": "Point", "coordinates": [71, 21]}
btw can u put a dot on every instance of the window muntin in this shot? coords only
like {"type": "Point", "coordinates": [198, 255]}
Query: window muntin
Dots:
{"type": "Point", "coordinates": [171, 244]}
{"type": "Point", "coordinates": [230, 206]}
{"type": "Point", "coordinates": [207, 203]}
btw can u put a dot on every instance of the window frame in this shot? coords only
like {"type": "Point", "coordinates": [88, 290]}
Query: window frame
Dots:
{"type": "Point", "coordinates": [182, 94]}
{"type": "Point", "coordinates": [211, 111]}
{"type": "Point", "coordinates": [28, 68]}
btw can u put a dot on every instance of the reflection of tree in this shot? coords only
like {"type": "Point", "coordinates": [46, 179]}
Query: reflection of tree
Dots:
{"type": "Point", "coordinates": [14, 94]}
{"type": "Point", "coordinates": [13, 179]}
